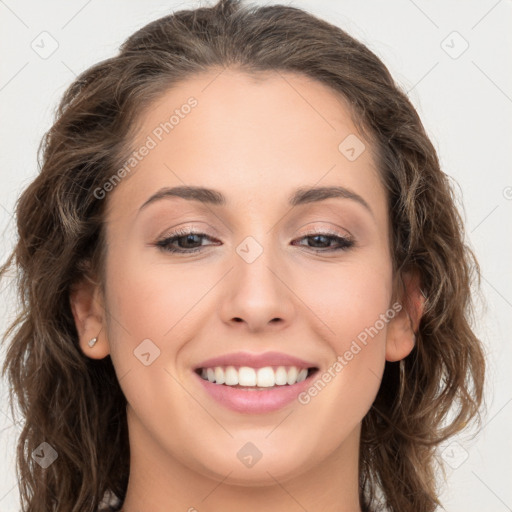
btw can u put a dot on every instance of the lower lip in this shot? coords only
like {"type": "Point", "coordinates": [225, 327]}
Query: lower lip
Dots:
{"type": "Point", "coordinates": [254, 401]}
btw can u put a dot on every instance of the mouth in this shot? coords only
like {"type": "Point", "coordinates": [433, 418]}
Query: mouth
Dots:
{"type": "Point", "coordinates": [256, 379]}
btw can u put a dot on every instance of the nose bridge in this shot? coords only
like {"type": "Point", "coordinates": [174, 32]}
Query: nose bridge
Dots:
{"type": "Point", "coordinates": [256, 262]}
{"type": "Point", "coordinates": [258, 294]}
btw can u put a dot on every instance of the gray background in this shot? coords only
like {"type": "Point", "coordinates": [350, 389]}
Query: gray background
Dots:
{"type": "Point", "coordinates": [464, 96]}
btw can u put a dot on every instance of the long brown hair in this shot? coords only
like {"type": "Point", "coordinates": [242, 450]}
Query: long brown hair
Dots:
{"type": "Point", "coordinates": [60, 222]}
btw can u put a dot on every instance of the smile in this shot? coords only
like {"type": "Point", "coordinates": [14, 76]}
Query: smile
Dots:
{"type": "Point", "coordinates": [255, 378]}
{"type": "Point", "coordinates": [254, 390]}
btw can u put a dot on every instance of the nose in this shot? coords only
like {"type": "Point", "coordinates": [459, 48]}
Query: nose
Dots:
{"type": "Point", "coordinates": [256, 293]}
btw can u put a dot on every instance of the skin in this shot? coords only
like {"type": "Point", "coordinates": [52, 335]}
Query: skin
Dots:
{"type": "Point", "coordinates": [256, 141]}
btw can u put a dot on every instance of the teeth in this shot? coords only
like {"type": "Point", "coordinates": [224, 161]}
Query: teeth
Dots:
{"type": "Point", "coordinates": [265, 377]}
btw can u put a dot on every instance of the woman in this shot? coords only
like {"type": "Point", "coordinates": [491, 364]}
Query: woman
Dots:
{"type": "Point", "coordinates": [243, 277]}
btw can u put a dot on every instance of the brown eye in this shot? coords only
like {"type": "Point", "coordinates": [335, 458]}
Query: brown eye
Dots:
{"type": "Point", "coordinates": [183, 242]}
{"type": "Point", "coordinates": [320, 242]}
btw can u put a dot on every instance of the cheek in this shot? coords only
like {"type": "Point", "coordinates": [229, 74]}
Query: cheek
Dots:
{"type": "Point", "coordinates": [352, 308]}
{"type": "Point", "coordinates": [150, 299]}
{"type": "Point", "coordinates": [157, 301]}
{"type": "Point", "coordinates": [347, 299]}
{"type": "Point", "coordinates": [151, 313]}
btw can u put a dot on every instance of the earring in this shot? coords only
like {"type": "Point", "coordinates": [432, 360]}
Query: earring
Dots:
{"type": "Point", "coordinates": [92, 342]}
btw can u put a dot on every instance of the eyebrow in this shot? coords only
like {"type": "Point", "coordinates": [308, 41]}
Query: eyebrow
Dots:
{"type": "Point", "coordinates": [300, 196]}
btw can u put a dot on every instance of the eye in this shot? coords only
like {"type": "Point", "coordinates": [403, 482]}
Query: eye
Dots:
{"type": "Point", "coordinates": [320, 239]}
{"type": "Point", "coordinates": [187, 242]}
{"type": "Point", "coordinates": [185, 239]}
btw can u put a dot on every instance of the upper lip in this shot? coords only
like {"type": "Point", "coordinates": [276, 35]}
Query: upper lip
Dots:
{"type": "Point", "coordinates": [256, 360]}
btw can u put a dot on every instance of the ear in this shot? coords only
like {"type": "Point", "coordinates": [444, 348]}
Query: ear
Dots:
{"type": "Point", "coordinates": [88, 310]}
{"type": "Point", "coordinates": [402, 328]}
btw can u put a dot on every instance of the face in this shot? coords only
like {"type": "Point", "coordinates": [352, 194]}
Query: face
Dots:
{"type": "Point", "coordinates": [190, 279]}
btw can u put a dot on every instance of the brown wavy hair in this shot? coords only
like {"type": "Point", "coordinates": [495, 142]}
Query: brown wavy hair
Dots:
{"type": "Point", "coordinates": [428, 397]}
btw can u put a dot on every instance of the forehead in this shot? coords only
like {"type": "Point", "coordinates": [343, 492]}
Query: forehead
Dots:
{"type": "Point", "coordinates": [255, 137]}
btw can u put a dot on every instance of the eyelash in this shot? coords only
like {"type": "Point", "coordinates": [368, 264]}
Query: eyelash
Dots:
{"type": "Point", "coordinates": [345, 243]}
